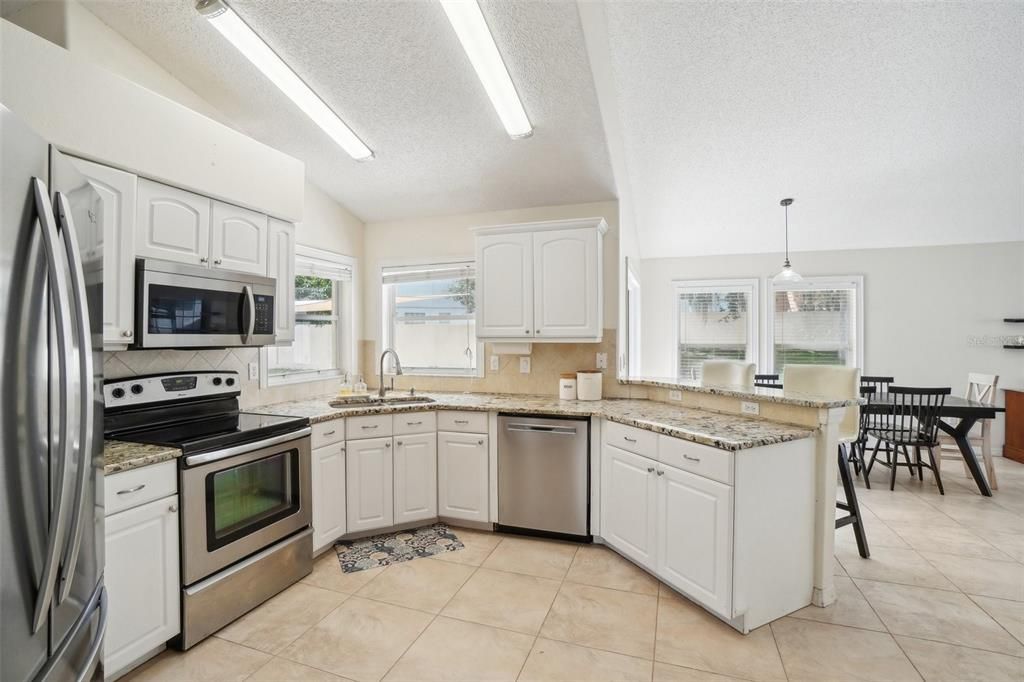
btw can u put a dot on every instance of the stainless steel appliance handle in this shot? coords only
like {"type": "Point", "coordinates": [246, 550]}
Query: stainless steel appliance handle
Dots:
{"type": "Point", "coordinates": [62, 322]}
{"type": "Point", "coordinates": [250, 307]}
{"type": "Point", "coordinates": [86, 413]}
{"type": "Point", "coordinates": [559, 430]}
{"type": "Point", "coordinates": [217, 455]}
{"type": "Point", "coordinates": [98, 601]}
{"type": "Point", "coordinates": [96, 648]}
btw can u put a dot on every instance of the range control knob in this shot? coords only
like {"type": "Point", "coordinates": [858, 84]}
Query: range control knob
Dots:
{"type": "Point", "coordinates": [117, 393]}
{"type": "Point", "coordinates": [229, 381]}
{"type": "Point", "coordinates": [216, 381]}
{"type": "Point", "coordinates": [136, 389]}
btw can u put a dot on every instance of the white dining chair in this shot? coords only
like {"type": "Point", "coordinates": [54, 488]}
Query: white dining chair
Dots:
{"type": "Point", "coordinates": [727, 373]}
{"type": "Point", "coordinates": [980, 388]}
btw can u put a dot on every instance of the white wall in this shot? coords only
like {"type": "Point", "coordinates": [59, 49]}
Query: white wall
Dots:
{"type": "Point", "coordinates": [438, 238]}
{"type": "Point", "coordinates": [922, 307]}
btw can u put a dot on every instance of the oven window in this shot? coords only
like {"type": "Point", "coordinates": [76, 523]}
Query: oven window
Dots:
{"type": "Point", "coordinates": [184, 310]}
{"type": "Point", "coordinates": [245, 498]}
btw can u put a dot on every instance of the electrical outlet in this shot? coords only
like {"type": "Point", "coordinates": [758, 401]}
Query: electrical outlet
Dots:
{"type": "Point", "coordinates": [750, 408]}
{"type": "Point", "coordinates": [524, 365]}
{"type": "Point", "coordinates": [494, 363]}
{"type": "Point", "coordinates": [675, 395]}
{"type": "Point", "coordinates": [602, 361]}
{"type": "Point", "coordinates": [254, 371]}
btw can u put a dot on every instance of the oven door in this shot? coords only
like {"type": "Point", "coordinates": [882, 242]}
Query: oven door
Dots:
{"type": "Point", "coordinates": [239, 500]}
{"type": "Point", "coordinates": [186, 306]}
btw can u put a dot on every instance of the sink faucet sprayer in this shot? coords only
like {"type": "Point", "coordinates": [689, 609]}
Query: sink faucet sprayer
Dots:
{"type": "Point", "coordinates": [398, 369]}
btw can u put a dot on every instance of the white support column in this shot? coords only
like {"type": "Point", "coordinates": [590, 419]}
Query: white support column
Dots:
{"type": "Point", "coordinates": [826, 470]}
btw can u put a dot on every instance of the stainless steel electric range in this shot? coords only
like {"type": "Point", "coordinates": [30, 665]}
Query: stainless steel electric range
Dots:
{"type": "Point", "coordinates": [244, 482]}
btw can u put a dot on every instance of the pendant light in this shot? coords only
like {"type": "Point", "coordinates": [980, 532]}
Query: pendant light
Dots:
{"type": "Point", "coordinates": [787, 274]}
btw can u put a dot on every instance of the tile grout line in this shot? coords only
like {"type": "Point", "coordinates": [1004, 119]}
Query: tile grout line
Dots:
{"type": "Point", "coordinates": [985, 611]}
{"type": "Point", "coordinates": [533, 644]}
{"type": "Point", "coordinates": [778, 651]}
{"type": "Point", "coordinates": [887, 630]}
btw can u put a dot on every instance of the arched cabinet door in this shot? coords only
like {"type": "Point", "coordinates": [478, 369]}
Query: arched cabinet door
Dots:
{"type": "Point", "coordinates": [567, 289]}
{"type": "Point", "coordinates": [239, 239]}
{"type": "Point", "coordinates": [504, 286]}
{"type": "Point", "coordinates": [172, 224]}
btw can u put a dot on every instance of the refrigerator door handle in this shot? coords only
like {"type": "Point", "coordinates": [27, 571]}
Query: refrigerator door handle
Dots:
{"type": "Point", "coordinates": [86, 408]}
{"type": "Point", "coordinates": [62, 321]}
{"type": "Point", "coordinates": [96, 648]}
{"type": "Point", "coordinates": [97, 601]}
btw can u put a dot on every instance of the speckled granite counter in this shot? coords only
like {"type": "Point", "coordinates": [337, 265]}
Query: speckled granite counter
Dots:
{"type": "Point", "coordinates": [121, 456]}
{"type": "Point", "coordinates": [773, 395]}
{"type": "Point", "coordinates": [726, 431]}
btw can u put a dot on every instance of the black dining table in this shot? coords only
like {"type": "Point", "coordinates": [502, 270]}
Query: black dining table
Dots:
{"type": "Point", "coordinates": [968, 412]}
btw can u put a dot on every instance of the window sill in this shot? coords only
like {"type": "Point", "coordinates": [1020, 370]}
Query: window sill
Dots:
{"type": "Point", "coordinates": [292, 379]}
{"type": "Point", "coordinates": [474, 374]}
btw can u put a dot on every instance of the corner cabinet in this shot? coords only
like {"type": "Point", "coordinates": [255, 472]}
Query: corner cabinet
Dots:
{"type": "Point", "coordinates": [415, 477]}
{"type": "Point", "coordinates": [463, 476]}
{"type": "Point", "coordinates": [369, 484]}
{"type": "Point", "coordinates": [540, 281]}
{"type": "Point", "coordinates": [281, 266]}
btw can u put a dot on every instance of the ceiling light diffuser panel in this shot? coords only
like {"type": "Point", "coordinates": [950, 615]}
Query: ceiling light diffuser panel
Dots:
{"type": "Point", "coordinates": [246, 41]}
{"type": "Point", "coordinates": [472, 31]}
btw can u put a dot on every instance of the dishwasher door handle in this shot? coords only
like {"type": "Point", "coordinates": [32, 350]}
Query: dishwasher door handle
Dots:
{"type": "Point", "coordinates": [533, 428]}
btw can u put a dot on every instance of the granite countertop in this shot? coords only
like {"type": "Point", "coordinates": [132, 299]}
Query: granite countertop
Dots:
{"type": "Point", "coordinates": [725, 431]}
{"type": "Point", "coordinates": [121, 456]}
{"type": "Point", "coordinates": [773, 395]}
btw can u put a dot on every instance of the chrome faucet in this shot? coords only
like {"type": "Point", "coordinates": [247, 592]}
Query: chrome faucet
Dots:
{"type": "Point", "coordinates": [398, 369]}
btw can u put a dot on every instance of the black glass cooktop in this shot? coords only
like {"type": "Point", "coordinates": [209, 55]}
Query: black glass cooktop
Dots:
{"type": "Point", "coordinates": [213, 432]}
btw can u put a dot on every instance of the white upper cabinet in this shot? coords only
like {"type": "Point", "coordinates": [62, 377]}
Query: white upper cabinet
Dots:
{"type": "Point", "coordinates": [172, 224]}
{"type": "Point", "coordinates": [238, 239]}
{"type": "Point", "coordinates": [117, 190]}
{"type": "Point", "coordinates": [504, 296]}
{"type": "Point", "coordinates": [567, 289]}
{"type": "Point", "coordinates": [540, 281]}
{"type": "Point", "coordinates": [281, 266]}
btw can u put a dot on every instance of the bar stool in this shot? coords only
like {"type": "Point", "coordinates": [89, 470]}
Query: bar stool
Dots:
{"type": "Point", "coordinates": [839, 382]}
{"type": "Point", "coordinates": [727, 373]}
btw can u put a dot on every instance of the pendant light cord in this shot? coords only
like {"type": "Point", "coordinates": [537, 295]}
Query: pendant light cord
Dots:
{"type": "Point", "coordinates": [787, 234]}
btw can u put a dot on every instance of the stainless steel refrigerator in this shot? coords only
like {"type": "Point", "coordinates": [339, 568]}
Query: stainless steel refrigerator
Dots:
{"type": "Point", "coordinates": [52, 600]}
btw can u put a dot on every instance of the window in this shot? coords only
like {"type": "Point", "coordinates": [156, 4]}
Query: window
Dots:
{"type": "Point", "coordinates": [429, 317]}
{"type": "Point", "coordinates": [323, 345]}
{"type": "Point", "coordinates": [817, 321]}
{"type": "Point", "coordinates": [715, 320]}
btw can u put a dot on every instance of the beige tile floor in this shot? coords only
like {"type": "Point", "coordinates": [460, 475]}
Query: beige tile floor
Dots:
{"type": "Point", "coordinates": [942, 598]}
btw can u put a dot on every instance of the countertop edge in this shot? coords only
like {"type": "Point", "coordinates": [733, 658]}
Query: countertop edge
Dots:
{"type": "Point", "coordinates": [764, 394]}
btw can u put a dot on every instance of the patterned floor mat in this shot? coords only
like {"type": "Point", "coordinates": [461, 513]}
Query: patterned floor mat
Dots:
{"type": "Point", "coordinates": [391, 548]}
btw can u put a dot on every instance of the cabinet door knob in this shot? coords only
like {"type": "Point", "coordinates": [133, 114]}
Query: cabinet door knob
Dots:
{"type": "Point", "coordinates": [204, 260]}
{"type": "Point", "coordinates": [537, 331]}
{"type": "Point", "coordinates": [650, 470]}
{"type": "Point", "coordinates": [126, 333]}
{"type": "Point", "coordinates": [173, 508]}
{"type": "Point", "coordinates": [218, 261]}
{"type": "Point", "coordinates": [527, 332]}
{"type": "Point", "coordinates": [398, 442]}
{"type": "Point", "coordinates": [387, 445]}
{"type": "Point", "coordinates": [661, 472]}
{"type": "Point", "coordinates": [479, 442]}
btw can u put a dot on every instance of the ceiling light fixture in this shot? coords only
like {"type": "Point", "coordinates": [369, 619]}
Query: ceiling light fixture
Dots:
{"type": "Point", "coordinates": [238, 33]}
{"type": "Point", "coordinates": [471, 29]}
{"type": "Point", "coordinates": [787, 274]}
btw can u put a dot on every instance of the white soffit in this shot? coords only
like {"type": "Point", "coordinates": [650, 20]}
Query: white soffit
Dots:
{"type": "Point", "coordinates": [395, 72]}
{"type": "Point", "coordinates": [892, 124]}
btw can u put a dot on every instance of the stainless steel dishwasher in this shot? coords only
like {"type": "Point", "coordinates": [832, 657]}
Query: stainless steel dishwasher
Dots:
{"type": "Point", "coordinates": [544, 476]}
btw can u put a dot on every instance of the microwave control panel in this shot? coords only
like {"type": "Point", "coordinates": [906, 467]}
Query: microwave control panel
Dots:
{"type": "Point", "coordinates": [264, 314]}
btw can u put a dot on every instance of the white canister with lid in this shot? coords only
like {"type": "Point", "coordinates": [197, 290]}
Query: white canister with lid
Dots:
{"type": "Point", "coordinates": [567, 386]}
{"type": "Point", "coordinates": [588, 384]}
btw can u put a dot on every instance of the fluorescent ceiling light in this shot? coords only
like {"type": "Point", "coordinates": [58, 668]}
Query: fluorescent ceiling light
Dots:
{"type": "Point", "coordinates": [468, 22]}
{"type": "Point", "coordinates": [238, 33]}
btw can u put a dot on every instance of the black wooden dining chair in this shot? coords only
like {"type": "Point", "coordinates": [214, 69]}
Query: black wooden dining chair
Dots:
{"type": "Point", "coordinates": [911, 420]}
{"type": "Point", "coordinates": [870, 386]}
{"type": "Point", "coordinates": [857, 453]}
{"type": "Point", "coordinates": [767, 381]}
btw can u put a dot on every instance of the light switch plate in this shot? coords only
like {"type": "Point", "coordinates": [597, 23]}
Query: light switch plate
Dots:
{"type": "Point", "coordinates": [494, 363]}
{"type": "Point", "coordinates": [750, 408]}
{"type": "Point", "coordinates": [254, 371]}
{"type": "Point", "coordinates": [524, 365]}
{"type": "Point", "coordinates": [602, 361]}
{"type": "Point", "coordinates": [675, 395]}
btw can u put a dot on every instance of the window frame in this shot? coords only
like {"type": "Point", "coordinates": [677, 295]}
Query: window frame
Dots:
{"type": "Point", "coordinates": [385, 326]}
{"type": "Point", "coordinates": [754, 335]}
{"type": "Point", "coordinates": [346, 346]}
{"type": "Point", "coordinates": [821, 282]}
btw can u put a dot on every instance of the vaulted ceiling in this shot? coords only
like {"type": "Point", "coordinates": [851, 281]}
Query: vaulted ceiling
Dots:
{"type": "Point", "coordinates": [395, 72]}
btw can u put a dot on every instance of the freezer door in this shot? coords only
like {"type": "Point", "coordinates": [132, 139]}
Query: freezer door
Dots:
{"type": "Point", "coordinates": [24, 400]}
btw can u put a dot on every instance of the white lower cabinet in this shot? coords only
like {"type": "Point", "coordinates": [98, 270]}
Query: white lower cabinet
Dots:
{"type": "Point", "coordinates": [463, 481]}
{"type": "Point", "coordinates": [694, 550]}
{"type": "Point", "coordinates": [415, 477]}
{"type": "Point", "coordinates": [142, 580]}
{"type": "Point", "coordinates": [328, 474]}
{"type": "Point", "coordinates": [629, 504]}
{"type": "Point", "coordinates": [369, 475]}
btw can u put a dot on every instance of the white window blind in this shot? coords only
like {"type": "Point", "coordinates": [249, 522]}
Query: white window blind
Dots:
{"type": "Point", "coordinates": [716, 320]}
{"type": "Point", "coordinates": [817, 322]}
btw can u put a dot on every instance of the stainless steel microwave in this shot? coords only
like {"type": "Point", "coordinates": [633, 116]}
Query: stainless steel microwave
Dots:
{"type": "Point", "coordinates": [186, 306]}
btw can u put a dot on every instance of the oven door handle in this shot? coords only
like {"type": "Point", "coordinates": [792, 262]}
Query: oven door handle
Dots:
{"type": "Point", "coordinates": [217, 455]}
{"type": "Point", "coordinates": [248, 313]}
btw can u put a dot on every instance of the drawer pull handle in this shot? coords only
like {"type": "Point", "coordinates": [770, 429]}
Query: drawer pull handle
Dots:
{"type": "Point", "coordinates": [132, 490]}
{"type": "Point", "coordinates": [413, 423]}
{"type": "Point", "coordinates": [691, 459]}
{"type": "Point", "coordinates": [461, 421]}
{"type": "Point", "coordinates": [330, 433]}
{"type": "Point", "coordinates": [660, 472]}
{"type": "Point", "coordinates": [371, 426]}
{"type": "Point", "coordinates": [628, 439]}
{"type": "Point", "coordinates": [650, 470]}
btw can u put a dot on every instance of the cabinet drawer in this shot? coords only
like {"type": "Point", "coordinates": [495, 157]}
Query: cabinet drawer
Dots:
{"type": "Point", "coordinates": [371, 426]}
{"type": "Point", "coordinates": [696, 458]}
{"type": "Point", "coordinates": [631, 439]}
{"type": "Point", "coordinates": [328, 432]}
{"type": "Point", "coordinates": [465, 422]}
{"type": "Point", "coordinates": [414, 422]}
{"type": "Point", "coordinates": [129, 489]}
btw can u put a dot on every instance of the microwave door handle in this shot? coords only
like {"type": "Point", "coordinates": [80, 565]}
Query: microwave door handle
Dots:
{"type": "Point", "coordinates": [66, 225]}
{"type": "Point", "coordinates": [248, 314]}
{"type": "Point", "coordinates": [62, 322]}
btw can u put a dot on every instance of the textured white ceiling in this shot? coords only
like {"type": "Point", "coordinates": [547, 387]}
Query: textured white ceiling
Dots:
{"type": "Point", "coordinates": [891, 123]}
{"type": "Point", "coordinates": [395, 72]}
